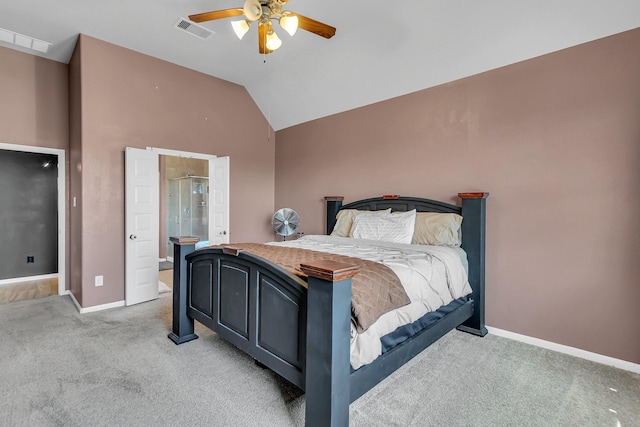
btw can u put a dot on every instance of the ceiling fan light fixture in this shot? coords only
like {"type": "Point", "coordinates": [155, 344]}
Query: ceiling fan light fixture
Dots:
{"type": "Point", "coordinates": [252, 10]}
{"type": "Point", "coordinates": [241, 27]}
{"type": "Point", "coordinates": [264, 12]}
{"type": "Point", "coordinates": [273, 41]}
{"type": "Point", "coordinates": [289, 22]}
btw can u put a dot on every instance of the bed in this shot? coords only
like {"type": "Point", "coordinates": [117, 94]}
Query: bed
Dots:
{"type": "Point", "coordinates": [300, 323]}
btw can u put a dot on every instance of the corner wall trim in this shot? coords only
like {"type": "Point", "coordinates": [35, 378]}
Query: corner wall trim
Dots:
{"type": "Point", "coordinates": [571, 351]}
{"type": "Point", "coordinates": [94, 308]}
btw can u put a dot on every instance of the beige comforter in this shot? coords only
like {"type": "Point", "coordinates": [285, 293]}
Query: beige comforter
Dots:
{"type": "Point", "coordinates": [375, 290]}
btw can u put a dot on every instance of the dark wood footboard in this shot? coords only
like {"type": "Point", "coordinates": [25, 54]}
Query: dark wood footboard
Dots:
{"type": "Point", "coordinates": [256, 306]}
{"type": "Point", "coordinates": [298, 329]}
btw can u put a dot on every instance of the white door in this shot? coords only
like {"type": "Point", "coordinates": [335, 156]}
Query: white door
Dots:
{"type": "Point", "coordinates": [141, 225]}
{"type": "Point", "coordinates": [219, 200]}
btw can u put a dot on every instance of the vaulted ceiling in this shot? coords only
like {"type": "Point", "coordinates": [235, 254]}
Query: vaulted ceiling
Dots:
{"type": "Point", "coordinates": [381, 49]}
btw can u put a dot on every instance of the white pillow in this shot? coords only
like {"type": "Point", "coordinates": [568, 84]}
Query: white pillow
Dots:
{"type": "Point", "coordinates": [344, 220]}
{"type": "Point", "coordinates": [396, 228]}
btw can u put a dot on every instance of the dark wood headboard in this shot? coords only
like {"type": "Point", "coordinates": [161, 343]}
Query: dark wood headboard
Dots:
{"type": "Point", "coordinates": [473, 211]}
{"type": "Point", "coordinates": [396, 203]}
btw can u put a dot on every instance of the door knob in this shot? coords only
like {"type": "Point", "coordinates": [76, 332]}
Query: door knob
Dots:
{"type": "Point", "coordinates": [133, 237]}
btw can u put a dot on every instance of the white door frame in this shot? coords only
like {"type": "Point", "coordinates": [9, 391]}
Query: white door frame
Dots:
{"type": "Point", "coordinates": [62, 215]}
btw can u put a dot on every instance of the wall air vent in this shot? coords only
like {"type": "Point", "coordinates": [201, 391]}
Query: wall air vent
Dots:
{"type": "Point", "coordinates": [192, 28]}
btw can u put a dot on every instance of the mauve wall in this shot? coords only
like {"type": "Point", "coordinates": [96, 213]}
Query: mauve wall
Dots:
{"type": "Point", "coordinates": [34, 107]}
{"type": "Point", "coordinates": [555, 140]}
{"type": "Point", "coordinates": [132, 100]}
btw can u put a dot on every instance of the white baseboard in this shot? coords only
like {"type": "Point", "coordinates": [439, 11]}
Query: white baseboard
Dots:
{"type": "Point", "coordinates": [94, 308]}
{"type": "Point", "coordinates": [572, 351]}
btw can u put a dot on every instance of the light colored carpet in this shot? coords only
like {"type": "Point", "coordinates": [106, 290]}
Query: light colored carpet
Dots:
{"type": "Point", "coordinates": [118, 368]}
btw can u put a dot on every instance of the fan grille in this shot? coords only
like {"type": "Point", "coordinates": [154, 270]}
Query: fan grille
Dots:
{"type": "Point", "coordinates": [285, 222]}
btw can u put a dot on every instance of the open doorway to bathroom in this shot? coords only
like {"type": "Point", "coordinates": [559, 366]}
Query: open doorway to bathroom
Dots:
{"type": "Point", "coordinates": [184, 207]}
{"type": "Point", "coordinates": [144, 244]}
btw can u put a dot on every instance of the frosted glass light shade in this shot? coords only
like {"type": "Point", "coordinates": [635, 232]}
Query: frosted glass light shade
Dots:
{"type": "Point", "coordinates": [273, 41]}
{"type": "Point", "coordinates": [252, 10]}
{"type": "Point", "coordinates": [241, 27]}
{"type": "Point", "coordinates": [289, 23]}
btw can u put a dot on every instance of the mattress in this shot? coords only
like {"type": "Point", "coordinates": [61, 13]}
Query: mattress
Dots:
{"type": "Point", "coordinates": [432, 276]}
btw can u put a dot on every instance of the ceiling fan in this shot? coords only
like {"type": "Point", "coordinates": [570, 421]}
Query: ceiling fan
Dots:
{"type": "Point", "coordinates": [265, 11]}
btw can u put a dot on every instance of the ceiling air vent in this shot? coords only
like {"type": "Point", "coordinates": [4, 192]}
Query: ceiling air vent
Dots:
{"type": "Point", "coordinates": [192, 28]}
{"type": "Point", "coordinates": [24, 41]}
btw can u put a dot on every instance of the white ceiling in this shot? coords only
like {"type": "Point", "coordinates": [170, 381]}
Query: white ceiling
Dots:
{"type": "Point", "coordinates": [380, 50]}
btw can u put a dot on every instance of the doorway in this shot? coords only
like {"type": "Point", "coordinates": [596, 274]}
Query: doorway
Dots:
{"type": "Point", "coordinates": [41, 194]}
{"type": "Point", "coordinates": [184, 208]}
{"type": "Point", "coordinates": [184, 201]}
{"type": "Point", "coordinates": [144, 220]}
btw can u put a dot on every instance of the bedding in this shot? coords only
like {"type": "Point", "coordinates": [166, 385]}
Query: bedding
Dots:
{"type": "Point", "coordinates": [432, 276]}
{"type": "Point", "coordinates": [376, 289]}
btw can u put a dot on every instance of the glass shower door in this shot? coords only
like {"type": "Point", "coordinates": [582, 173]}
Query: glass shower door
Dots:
{"type": "Point", "coordinates": [187, 208]}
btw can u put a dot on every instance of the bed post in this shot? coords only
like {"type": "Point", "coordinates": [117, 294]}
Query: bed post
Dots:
{"type": "Point", "coordinates": [334, 203]}
{"type": "Point", "coordinates": [327, 366]}
{"type": "Point", "coordinates": [473, 242]}
{"type": "Point", "coordinates": [182, 330]}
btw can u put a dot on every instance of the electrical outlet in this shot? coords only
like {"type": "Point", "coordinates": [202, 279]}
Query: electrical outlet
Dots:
{"type": "Point", "coordinates": [30, 259]}
{"type": "Point", "coordinates": [99, 280]}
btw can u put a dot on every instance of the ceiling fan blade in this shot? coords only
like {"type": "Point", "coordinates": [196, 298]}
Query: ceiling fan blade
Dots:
{"type": "Point", "coordinates": [216, 14]}
{"type": "Point", "coordinates": [262, 38]}
{"type": "Point", "coordinates": [316, 27]}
